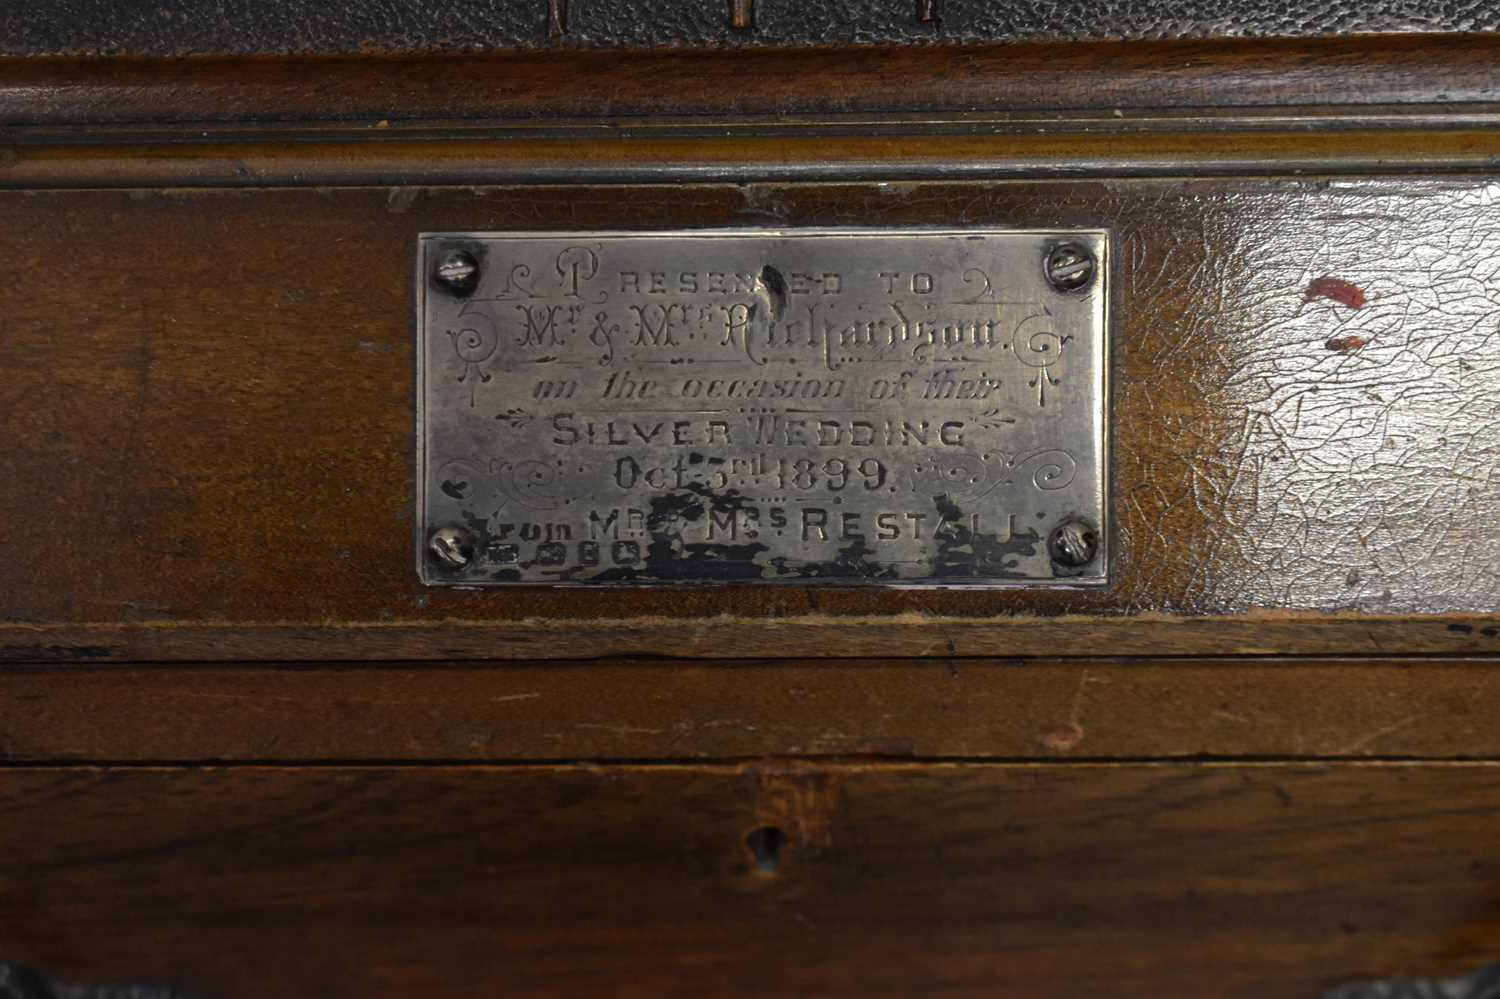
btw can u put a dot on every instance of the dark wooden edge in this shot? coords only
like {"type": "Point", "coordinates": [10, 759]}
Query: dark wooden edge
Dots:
{"type": "Point", "coordinates": [1359, 71]}
{"type": "Point", "coordinates": [204, 159]}
{"type": "Point", "coordinates": [636, 710]}
{"type": "Point", "coordinates": [820, 636]}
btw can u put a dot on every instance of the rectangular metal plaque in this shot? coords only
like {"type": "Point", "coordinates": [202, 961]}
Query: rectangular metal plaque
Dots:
{"type": "Point", "coordinates": [904, 406]}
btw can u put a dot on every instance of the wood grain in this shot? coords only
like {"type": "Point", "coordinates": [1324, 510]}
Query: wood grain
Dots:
{"type": "Point", "coordinates": [660, 152]}
{"type": "Point", "coordinates": [206, 407]}
{"type": "Point", "coordinates": [650, 710]}
{"type": "Point", "coordinates": [728, 636]}
{"type": "Point", "coordinates": [209, 428]}
{"type": "Point", "coordinates": [1038, 881]}
{"type": "Point", "coordinates": [1246, 73]}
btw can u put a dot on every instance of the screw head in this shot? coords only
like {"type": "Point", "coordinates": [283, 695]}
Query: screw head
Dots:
{"type": "Point", "coordinates": [458, 271]}
{"type": "Point", "coordinates": [1073, 543]}
{"type": "Point", "coordinates": [1070, 266]}
{"type": "Point", "coordinates": [451, 547]}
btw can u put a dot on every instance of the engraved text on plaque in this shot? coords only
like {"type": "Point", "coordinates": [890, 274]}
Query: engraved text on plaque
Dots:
{"type": "Point", "coordinates": [898, 406]}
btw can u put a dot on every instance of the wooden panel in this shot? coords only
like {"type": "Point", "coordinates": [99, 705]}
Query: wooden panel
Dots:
{"type": "Point", "coordinates": [210, 437]}
{"type": "Point", "coordinates": [1038, 881]}
{"type": "Point", "coordinates": [649, 710]}
{"type": "Point", "coordinates": [1445, 70]}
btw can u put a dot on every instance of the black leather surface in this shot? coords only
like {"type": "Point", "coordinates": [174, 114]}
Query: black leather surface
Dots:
{"type": "Point", "coordinates": [183, 27]}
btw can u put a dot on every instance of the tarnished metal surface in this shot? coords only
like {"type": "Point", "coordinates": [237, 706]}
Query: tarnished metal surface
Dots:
{"type": "Point", "coordinates": [1483, 984]}
{"type": "Point", "coordinates": [20, 982]}
{"type": "Point", "coordinates": [914, 406]}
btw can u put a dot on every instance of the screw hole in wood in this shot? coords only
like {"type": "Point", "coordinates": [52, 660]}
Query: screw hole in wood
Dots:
{"type": "Point", "coordinates": [765, 844]}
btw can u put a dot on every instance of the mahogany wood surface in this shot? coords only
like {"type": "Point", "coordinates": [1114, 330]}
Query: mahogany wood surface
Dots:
{"type": "Point", "coordinates": [1406, 70]}
{"type": "Point", "coordinates": [1325, 141]}
{"type": "Point", "coordinates": [1047, 880]}
{"type": "Point", "coordinates": [247, 754]}
{"type": "Point", "coordinates": [210, 428]}
{"type": "Point", "coordinates": [623, 710]}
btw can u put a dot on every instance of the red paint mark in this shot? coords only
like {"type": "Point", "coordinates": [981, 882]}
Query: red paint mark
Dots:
{"type": "Point", "coordinates": [1337, 290]}
{"type": "Point", "coordinates": [1345, 344]}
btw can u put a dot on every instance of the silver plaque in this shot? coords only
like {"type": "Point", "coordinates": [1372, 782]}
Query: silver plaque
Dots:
{"type": "Point", "coordinates": [904, 406]}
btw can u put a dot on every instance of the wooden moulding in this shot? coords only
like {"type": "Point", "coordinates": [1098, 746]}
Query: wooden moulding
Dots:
{"type": "Point", "coordinates": [975, 879]}
{"type": "Point", "coordinates": [1362, 71]}
{"type": "Point", "coordinates": [208, 417]}
{"type": "Point", "coordinates": [993, 148]}
{"type": "Point", "coordinates": [623, 710]}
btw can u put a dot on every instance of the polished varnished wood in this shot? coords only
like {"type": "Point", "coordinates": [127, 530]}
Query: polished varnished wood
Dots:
{"type": "Point", "coordinates": [1443, 70]}
{"type": "Point", "coordinates": [246, 754]}
{"type": "Point", "coordinates": [1037, 881]}
{"type": "Point", "coordinates": [1335, 709]}
{"type": "Point", "coordinates": [211, 432]}
{"type": "Point", "coordinates": [1325, 141]}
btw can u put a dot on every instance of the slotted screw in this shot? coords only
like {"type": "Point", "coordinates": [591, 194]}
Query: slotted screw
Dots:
{"type": "Point", "coordinates": [451, 547]}
{"type": "Point", "coordinates": [1073, 543]}
{"type": "Point", "coordinates": [458, 270]}
{"type": "Point", "coordinates": [1069, 266]}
